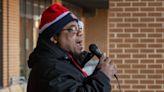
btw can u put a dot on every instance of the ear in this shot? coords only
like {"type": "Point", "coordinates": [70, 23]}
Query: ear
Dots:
{"type": "Point", "coordinates": [54, 39]}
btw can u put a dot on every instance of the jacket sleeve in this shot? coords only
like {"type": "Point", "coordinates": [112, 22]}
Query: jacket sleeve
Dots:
{"type": "Point", "coordinates": [62, 81]}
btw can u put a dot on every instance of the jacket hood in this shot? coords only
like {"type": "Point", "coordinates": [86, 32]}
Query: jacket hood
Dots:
{"type": "Point", "coordinates": [48, 51]}
{"type": "Point", "coordinates": [45, 50]}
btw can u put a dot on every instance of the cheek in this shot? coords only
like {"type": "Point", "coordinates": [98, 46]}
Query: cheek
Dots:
{"type": "Point", "coordinates": [70, 40]}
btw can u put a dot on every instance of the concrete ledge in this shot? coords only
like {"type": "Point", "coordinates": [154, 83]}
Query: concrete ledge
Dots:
{"type": "Point", "coordinates": [4, 90]}
{"type": "Point", "coordinates": [15, 88]}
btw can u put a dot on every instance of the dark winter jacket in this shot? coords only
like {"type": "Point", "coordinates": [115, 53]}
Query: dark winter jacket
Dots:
{"type": "Point", "coordinates": [53, 71]}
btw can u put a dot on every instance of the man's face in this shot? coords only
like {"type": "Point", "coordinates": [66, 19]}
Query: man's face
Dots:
{"type": "Point", "coordinates": [71, 38]}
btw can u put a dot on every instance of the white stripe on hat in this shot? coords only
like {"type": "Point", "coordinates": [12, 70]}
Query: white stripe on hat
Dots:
{"type": "Point", "coordinates": [50, 23]}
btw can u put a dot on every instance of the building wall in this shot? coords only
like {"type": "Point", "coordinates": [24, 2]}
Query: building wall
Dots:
{"type": "Point", "coordinates": [10, 47]}
{"type": "Point", "coordinates": [1, 43]}
{"type": "Point", "coordinates": [136, 44]}
{"type": "Point", "coordinates": [96, 29]}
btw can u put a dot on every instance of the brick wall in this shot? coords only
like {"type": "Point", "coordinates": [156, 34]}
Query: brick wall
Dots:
{"type": "Point", "coordinates": [10, 44]}
{"type": "Point", "coordinates": [0, 43]}
{"type": "Point", "coordinates": [136, 44]}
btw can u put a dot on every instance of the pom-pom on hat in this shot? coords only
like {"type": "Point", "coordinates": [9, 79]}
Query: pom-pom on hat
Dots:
{"type": "Point", "coordinates": [54, 18]}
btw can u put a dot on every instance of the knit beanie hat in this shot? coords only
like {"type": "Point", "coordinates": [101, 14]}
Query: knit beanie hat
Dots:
{"type": "Point", "coordinates": [54, 18]}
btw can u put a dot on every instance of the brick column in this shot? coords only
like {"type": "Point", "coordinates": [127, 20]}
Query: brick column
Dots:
{"type": "Point", "coordinates": [1, 54]}
{"type": "Point", "coordinates": [10, 45]}
{"type": "Point", "coordinates": [56, 1]}
{"type": "Point", "coordinates": [136, 44]}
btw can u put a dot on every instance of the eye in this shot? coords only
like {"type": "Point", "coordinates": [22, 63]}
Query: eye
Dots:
{"type": "Point", "coordinates": [70, 30]}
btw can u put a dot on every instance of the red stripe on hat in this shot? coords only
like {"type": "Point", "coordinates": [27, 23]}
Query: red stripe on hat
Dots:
{"type": "Point", "coordinates": [51, 13]}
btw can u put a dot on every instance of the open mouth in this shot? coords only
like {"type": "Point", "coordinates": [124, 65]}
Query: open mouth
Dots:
{"type": "Point", "coordinates": [80, 44]}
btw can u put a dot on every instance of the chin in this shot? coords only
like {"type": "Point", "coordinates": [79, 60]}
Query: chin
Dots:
{"type": "Point", "coordinates": [78, 52]}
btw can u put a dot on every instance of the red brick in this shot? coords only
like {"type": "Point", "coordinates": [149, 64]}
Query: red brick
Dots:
{"type": "Point", "coordinates": [125, 87]}
{"type": "Point", "coordinates": [155, 4]}
{"type": "Point", "coordinates": [117, 61]}
{"type": "Point", "coordinates": [160, 19]}
{"type": "Point", "coordinates": [123, 14]}
{"type": "Point", "coordinates": [123, 66]}
{"type": "Point", "coordinates": [154, 35]}
{"type": "Point", "coordinates": [160, 9]}
{"type": "Point", "coordinates": [115, 40]}
{"type": "Point", "coordinates": [131, 90]}
{"type": "Point", "coordinates": [160, 60]}
{"type": "Point", "coordinates": [139, 4]}
{"type": "Point", "coordinates": [155, 14]}
{"type": "Point", "coordinates": [131, 61]}
{"type": "Point", "coordinates": [123, 45]}
{"type": "Point", "coordinates": [139, 14]}
{"type": "Point", "coordinates": [133, 30]}
{"type": "Point", "coordinates": [139, 45]}
{"type": "Point", "coordinates": [123, 56]}
{"type": "Point", "coordinates": [155, 55]}
{"type": "Point", "coordinates": [139, 66]}
{"type": "Point", "coordinates": [155, 76]}
{"type": "Point", "coordinates": [112, 4]}
{"type": "Point", "coordinates": [155, 45]}
{"type": "Point", "coordinates": [123, 25]}
{"type": "Point", "coordinates": [148, 40]}
{"type": "Point", "coordinates": [160, 90]}
{"type": "Point", "coordinates": [139, 86]}
{"type": "Point", "coordinates": [148, 0]}
{"type": "Point", "coordinates": [132, 71]}
{"type": "Point", "coordinates": [139, 35]}
{"type": "Point", "coordinates": [131, 40]}
{"type": "Point", "coordinates": [131, 9]}
{"type": "Point", "coordinates": [116, 30]}
{"type": "Point", "coordinates": [132, 0]}
{"type": "Point", "coordinates": [123, 35]}
{"type": "Point", "coordinates": [155, 25]}
{"type": "Point", "coordinates": [146, 30]}
{"type": "Point", "coordinates": [115, 9]}
{"type": "Point", "coordinates": [111, 14]}
{"type": "Point", "coordinates": [116, 50]}
{"type": "Point", "coordinates": [139, 25]}
{"type": "Point", "coordinates": [116, 0]}
{"type": "Point", "coordinates": [146, 71]}
{"type": "Point", "coordinates": [131, 19]}
{"type": "Point", "coordinates": [139, 76]}
{"type": "Point", "coordinates": [149, 9]}
{"type": "Point", "coordinates": [131, 81]}
{"type": "Point", "coordinates": [160, 30]}
{"type": "Point", "coordinates": [139, 55]}
{"type": "Point", "coordinates": [159, 40]}
{"type": "Point", "coordinates": [112, 45]}
{"type": "Point", "coordinates": [124, 76]}
{"type": "Point", "coordinates": [131, 50]}
{"type": "Point", "coordinates": [146, 90]}
{"type": "Point", "coordinates": [154, 86]}
{"type": "Point", "coordinates": [147, 20]}
{"type": "Point", "coordinates": [154, 66]}
{"type": "Point", "coordinates": [147, 50]}
{"type": "Point", "coordinates": [146, 81]}
{"type": "Point", "coordinates": [115, 19]}
{"type": "Point", "coordinates": [159, 81]}
{"type": "Point", "coordinates": [147, 61]}
{"type": "Point", "coordinates": [123, 4]}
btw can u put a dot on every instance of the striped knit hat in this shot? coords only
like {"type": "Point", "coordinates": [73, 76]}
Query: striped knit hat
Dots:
{"type": "Point", "coordinates": [54, 18]}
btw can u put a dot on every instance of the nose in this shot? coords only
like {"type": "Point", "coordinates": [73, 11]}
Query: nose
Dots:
{"type": "Point", "coordinates": [80, 33]}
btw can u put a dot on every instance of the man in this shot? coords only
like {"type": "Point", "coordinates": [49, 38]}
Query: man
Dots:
{"type": "Point", "coordinates": [55, 62]}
